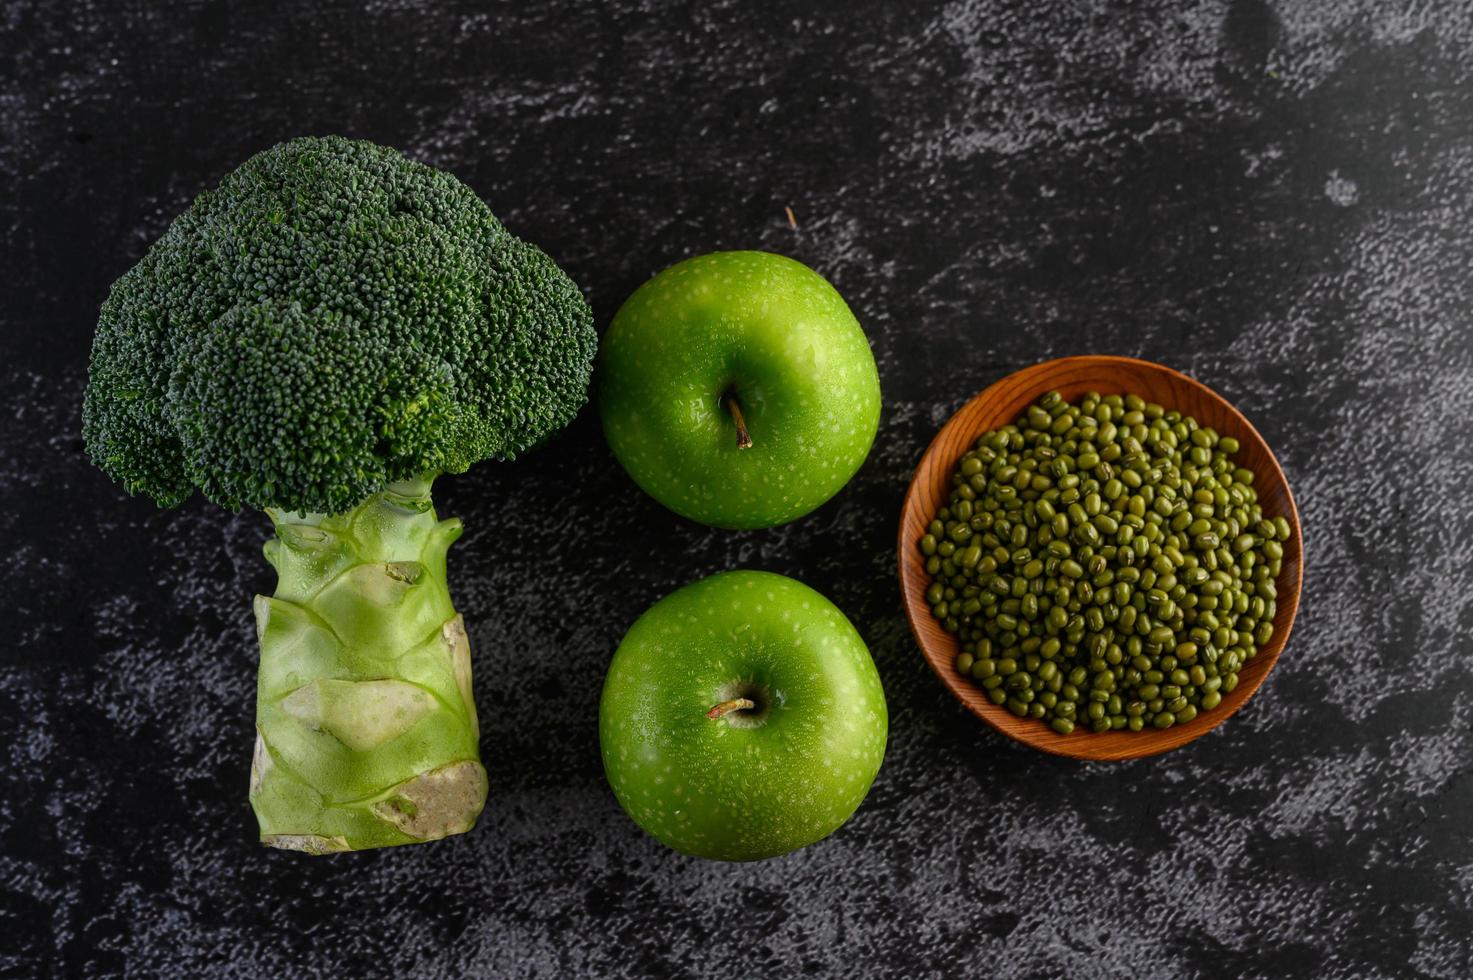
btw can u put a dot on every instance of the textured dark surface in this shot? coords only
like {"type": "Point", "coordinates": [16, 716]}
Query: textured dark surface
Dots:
{"type": "Point", "coordinates": [1275, 198]}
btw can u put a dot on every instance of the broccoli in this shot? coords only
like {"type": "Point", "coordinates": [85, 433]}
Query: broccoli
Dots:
{"type": "Point", "coordinates": [318, 338]}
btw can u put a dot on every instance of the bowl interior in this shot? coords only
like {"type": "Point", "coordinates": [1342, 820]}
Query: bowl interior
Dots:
{"type": "Point", "coordinates": [1001, 404]}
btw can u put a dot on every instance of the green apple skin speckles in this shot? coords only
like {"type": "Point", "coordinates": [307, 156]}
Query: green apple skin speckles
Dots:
{"type": "Point", "coordinates": [748, 785]}
{"type": "Point", "coordinates": [771, 332]}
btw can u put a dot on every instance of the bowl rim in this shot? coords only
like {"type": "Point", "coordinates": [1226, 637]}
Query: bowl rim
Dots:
{"type": "Point", "coordinates": [1084, 744]}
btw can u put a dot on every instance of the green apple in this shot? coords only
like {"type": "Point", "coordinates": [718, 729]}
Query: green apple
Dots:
{"type": "Point", "coordinates": [738, 390]}
{"type": "Point", "coordinates": [742, 718]}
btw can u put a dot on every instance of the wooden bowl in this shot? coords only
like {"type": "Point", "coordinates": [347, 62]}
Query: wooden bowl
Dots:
{"type": "Point", "coordinates": [1002, 404]}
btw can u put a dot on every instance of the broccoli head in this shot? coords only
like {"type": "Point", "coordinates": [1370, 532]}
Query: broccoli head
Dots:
{"type": "Point", "coordinates": [330, 319]}
{"type": "Point", "coordinates": [318, 337]}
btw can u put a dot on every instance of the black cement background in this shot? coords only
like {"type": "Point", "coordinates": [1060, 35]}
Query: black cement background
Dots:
{"type": "Point", "coordinates": [1275, 198]}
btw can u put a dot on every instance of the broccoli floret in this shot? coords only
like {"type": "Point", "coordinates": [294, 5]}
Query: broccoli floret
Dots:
{"type": "Point", "coordinates": [330, 319]}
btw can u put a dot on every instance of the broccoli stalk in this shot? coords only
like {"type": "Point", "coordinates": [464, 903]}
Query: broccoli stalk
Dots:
{"type": "Point", "coordinates": [318, 338]}
{"type": "Point", "coordinates": [360, 650]}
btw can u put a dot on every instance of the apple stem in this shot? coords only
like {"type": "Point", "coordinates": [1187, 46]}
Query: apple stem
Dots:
{"type": "Point", "coordinates": [744, 438]}
{"type": "Point", "coordinates": [735, 704]}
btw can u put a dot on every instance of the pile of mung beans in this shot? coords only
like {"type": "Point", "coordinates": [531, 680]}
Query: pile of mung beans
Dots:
{"type": "Point", "coordinates": [1104, 565]}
